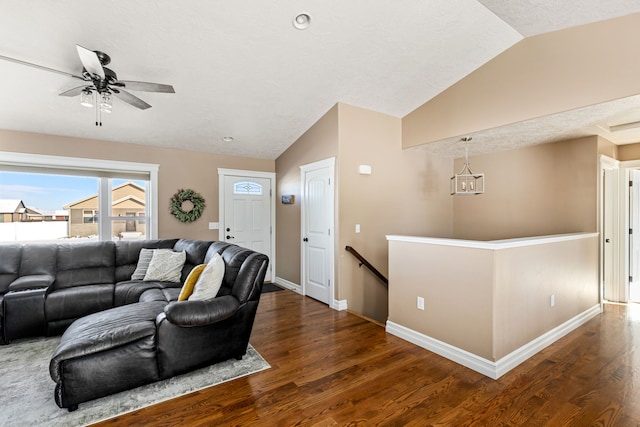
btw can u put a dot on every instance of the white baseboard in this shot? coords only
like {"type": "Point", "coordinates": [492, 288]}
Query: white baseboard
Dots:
{"type": "Point", "coordinates": [484, 366]}
{"type": "Point", "coordinates": [336, 305]}
{"type": "Point", "coordinates": [288, 285]}
{"type": "Point", "coordinates": [339, 304]}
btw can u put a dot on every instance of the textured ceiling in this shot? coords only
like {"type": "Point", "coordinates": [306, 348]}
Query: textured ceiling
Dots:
{"type": "Point", "coordinates": [241, 69]}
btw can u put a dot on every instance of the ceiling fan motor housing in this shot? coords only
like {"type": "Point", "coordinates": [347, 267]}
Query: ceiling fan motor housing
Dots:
{"type": "Point", "coordinates": [102, 85]}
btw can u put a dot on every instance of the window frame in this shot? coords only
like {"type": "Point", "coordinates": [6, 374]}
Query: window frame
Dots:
{"type": "Point", "coordinates": [104, 170]}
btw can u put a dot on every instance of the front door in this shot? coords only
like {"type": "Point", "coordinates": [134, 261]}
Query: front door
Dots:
{"type": "Point", "coordinates": [317, 230]}
{"type": "Point", "coordinates": [247, 213]}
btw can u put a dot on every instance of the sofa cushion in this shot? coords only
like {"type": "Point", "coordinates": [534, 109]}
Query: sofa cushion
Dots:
{"type": "Point", "coordinates": [164, 294]}
{"type": "Point", "coordinates": [10, 254]}
{"type": "Point", "coordinates": [166, 266]}
{"type": "Point", "coordinates": [190, 282]}
{"type": "Point", "coordinates": [196, 251]}
{"type": "Point", "coordinates": [208, 284]}
{"type": "Point", "coordinates": [38, 258]}
{"type": "Point", "coordinates": [75, 302]}
{"type": "Point", "coordinates": [129, 291]}
{"type": "Point", "coordinates": [85, 263]}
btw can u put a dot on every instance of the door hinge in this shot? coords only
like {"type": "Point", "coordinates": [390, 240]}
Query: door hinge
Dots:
{"type": "Point", "coordinates": [329, 181]}
{"type": "Point", "coordinates": [270, 193]}
{"type": "Point", "coordinates": [630, 183]}
{"type": "Point", "coordinates": [630, 278]}
{"type": "Point", "coordinates": [329, 232]}
{"type": "Point", "coordinates": [631, 231]}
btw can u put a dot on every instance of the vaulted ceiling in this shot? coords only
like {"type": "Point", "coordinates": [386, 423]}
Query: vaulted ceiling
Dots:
{"type": "Point", "coordinates": [241, 69]}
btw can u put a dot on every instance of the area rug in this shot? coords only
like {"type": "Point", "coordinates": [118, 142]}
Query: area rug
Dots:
{"type": "Point", "coordinates": [26, 397]}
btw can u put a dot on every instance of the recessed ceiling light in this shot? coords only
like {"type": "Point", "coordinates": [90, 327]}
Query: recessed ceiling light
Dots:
{"type": "Point", "coordinates": [302, 21]}
{"type": "Point", "coordinates": [227, 138]}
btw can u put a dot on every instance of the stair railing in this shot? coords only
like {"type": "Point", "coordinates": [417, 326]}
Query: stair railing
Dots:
{"type": "Point", "coordinates": [367, 264]}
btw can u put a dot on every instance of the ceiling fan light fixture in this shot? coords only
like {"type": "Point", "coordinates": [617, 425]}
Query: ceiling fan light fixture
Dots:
{"type": "Point", "coordinates": [106, 102]}
{"type": "Point", "coordinates": [227, 138]}
{"type": "Point", "coordinates": [86, 98]}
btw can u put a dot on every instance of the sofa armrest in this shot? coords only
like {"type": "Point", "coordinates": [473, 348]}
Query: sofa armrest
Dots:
{"type": "Point", "coordinates": [33, 281]}
{"type": "Point", "coordinates": [201, 313]}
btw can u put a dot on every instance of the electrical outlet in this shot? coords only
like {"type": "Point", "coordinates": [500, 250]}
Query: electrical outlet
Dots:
{"type": "Point", "coordinates": [420, 303]}
{"type": "Point", "coordinates": [357, 228]}
{"type": "Point", "coordinates": [552, 300]}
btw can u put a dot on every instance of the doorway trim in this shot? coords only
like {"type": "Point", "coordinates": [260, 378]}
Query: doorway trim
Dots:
{"type": "Point", "coordinates": [617, 247]}
{"type": "Point", "coordinates": [625, 220]}
{"type": "Point", "coordinates": [271, 176]}
{"type": "Point", "coordinates": [326, 163]}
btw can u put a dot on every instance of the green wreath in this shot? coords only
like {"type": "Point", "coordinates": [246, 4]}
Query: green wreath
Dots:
{"type": "Point", "coordinates": [186, 195]}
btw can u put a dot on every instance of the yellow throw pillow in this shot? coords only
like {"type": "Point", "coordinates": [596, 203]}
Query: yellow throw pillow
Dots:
{"type": "Point", "coordinates": [190, 283]}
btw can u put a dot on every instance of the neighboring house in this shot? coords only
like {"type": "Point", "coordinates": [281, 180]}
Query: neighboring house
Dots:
{"type": "Point", "coordinates": [55, 215]}
{"type": "Point", "coordinates": [14, 210]}
{"type": "Point", "coordinates": [127, 200]}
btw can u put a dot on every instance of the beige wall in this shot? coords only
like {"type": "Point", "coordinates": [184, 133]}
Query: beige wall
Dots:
{"type": "Point", "coordinates": [628, 152]}
{"type": "Point", "coordinates": [178, 169]}
{"type": "Point", "coordinates": [457, 287]}
{"type": "Point", "coordinates": [568, 270]}
{"type": "Point", "coordinates": [541, 75]}
{"type": "Point", "coordinates": [539, 190]}
{"type": "Point", "coordinates": [406, 193]}
{"type": "Point", "coordinates": [318, 143]}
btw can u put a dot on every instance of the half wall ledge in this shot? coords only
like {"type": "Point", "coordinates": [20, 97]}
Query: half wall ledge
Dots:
{"type": "Point", "coordinates": [491, 305]}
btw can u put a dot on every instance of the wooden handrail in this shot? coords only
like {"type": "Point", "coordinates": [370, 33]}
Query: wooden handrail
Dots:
{"type": "Point", "coordinates": [367, 264]}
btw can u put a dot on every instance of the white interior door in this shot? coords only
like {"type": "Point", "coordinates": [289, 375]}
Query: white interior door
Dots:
{"type": "Point", "coordinates": [317, 230]}
{"type": "Point", "coordinates": [247, 214]}
{"type": "Point", "coordinates": [608, 232]}
{"type": "Point", "coordinates": [634, 237]}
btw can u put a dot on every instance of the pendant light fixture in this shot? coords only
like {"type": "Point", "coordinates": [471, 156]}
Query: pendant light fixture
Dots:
{"type": "Point", "coordinates": [465, 182]}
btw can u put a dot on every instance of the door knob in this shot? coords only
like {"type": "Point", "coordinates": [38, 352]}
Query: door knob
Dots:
{"type": "Point", "coordinates": [229, 237]}
{"type": "Point", "coordinates": [607, 240]}
{"type": "Point", "coordinates": [305, 240]}
{"type": "Point", "coordinates": [228, 229]}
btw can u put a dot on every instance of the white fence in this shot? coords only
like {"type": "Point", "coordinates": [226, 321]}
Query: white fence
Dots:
{"type": "Point", "coordinates": [48, 230]}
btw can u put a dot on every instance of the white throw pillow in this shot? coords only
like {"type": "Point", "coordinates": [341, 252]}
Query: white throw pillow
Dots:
{"type": "Point", "coordinates": [210, 280]}
{"type": "Point", "coordinates": [166, 266]}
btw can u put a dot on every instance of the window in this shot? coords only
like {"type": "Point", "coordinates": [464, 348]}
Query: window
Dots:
{"type": "Point", "coordinates": [90, 216]}
{"type": "Point", "coordinates": [77, 191]}
{"type": "Point", "coordinates": [247, 187]}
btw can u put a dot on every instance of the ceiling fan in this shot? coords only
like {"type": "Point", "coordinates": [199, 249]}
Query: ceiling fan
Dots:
{"type": "Point", "coordinates": [101, 82]}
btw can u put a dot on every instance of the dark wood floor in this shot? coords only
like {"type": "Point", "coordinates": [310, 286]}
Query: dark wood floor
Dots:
{"type": "Point", "coordinates": [333, 368]}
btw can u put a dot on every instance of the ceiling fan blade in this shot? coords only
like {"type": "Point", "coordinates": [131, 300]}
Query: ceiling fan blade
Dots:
{"type": "Point", "coordinates": [40, 67]}
{"type": "Point", "coordinates": [145, 86]}
{"type": "Point", "coordinates": [90, 61]}
{"type": "Point", "coordinates": [131, 99]}
{"type": "Point", "coordinates": [73, 92]}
